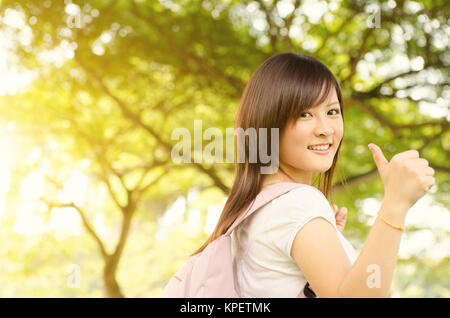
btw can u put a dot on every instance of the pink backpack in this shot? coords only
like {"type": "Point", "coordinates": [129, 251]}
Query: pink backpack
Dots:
{"type": "Point", "coordinates": [210, 273]}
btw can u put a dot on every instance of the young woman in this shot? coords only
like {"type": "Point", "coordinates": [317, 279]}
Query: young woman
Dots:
{"type": "Point", "coordinates": [295, 240]}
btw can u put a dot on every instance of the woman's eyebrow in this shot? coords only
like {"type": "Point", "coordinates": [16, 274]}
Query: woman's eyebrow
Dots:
{"type": "Point", "coordinates": [332, 104]}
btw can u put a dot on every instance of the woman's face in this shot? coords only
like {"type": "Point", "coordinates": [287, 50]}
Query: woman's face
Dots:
{"type": "Point", "coordinates": [322, 124]}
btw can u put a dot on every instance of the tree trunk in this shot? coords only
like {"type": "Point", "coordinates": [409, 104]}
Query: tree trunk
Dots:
{"type": "Point", "coordinates": [109, 278]}
{"type": "Point", "coordinates": [112, 261]}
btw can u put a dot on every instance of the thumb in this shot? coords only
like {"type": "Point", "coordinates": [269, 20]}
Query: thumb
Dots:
{"type": "Point", "coordinates": [378, 157]}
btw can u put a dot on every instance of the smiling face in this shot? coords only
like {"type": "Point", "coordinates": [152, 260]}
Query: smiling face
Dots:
{"type": "Point", "coordinates": [322, 124]}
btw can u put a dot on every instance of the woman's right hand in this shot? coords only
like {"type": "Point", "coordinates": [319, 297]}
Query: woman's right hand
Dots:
{"type": "Point", "coordinates": [406, 178]}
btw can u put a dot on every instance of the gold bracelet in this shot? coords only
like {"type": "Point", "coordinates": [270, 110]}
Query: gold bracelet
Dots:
{"type": "Point", "coordinates": [401, 228]}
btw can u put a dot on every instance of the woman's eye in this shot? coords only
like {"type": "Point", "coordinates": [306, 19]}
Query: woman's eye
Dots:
{"type": "Point", "coordinates": [336, 110]}
{"type": "Point", "coordinates": [301, 115]}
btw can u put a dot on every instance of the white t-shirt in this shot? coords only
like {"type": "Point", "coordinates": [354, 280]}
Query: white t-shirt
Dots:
{"type": "Point", "coordinates": [261, 245]}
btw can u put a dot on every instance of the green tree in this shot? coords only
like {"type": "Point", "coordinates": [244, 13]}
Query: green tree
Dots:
{"type": "Point", "coordinates": [129, 72]}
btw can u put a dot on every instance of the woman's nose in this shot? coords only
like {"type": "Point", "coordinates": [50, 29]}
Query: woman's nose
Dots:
{"type": "Point", "coordinates": [325, 129]}
{"type": "Point", "coordinates": [326, 132]}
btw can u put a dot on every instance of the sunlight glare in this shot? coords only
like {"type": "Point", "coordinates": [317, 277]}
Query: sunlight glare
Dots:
{"type": "Point", "coordinates": [7, 156]}
{"type": "Point", "coordinates": [65, 221]}
{"type": "Point", "coordinates": [173, 215]}
{"type": "Point", "coordinates": [212, 217]}
{"type": "Point", "coordinates": [75, 189]}
{"type": "Point", "coordinates": [194, 222]}
{"type": "Point", "coordinates": [27, 222]}
{"type": "Point", "coordinates": [32, 186]}
{"type": "Point", "coordinates": [13, 79]}
{"type": "Point", "coordinates": [426, 215]}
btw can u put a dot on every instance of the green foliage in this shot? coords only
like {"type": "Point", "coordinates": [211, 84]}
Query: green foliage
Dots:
{"type": "Point", "coordinates": [136, 70]}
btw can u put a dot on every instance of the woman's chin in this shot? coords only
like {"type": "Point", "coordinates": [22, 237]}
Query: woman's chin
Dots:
{"type": "Point", "coordinates": [321, 169]}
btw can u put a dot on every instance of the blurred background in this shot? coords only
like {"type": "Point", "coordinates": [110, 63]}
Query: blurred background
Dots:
{"type": "Point", "coordinates": [91, 204]}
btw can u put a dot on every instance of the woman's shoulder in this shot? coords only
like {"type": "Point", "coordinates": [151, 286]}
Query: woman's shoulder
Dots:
{"type": "Point", "coordinates": [305, 200]}
{"type": "Point", "coordinates": [303, 191]}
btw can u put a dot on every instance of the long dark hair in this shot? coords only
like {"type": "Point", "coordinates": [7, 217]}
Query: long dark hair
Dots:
{"type": "Point", "coordinates": [280, 89]}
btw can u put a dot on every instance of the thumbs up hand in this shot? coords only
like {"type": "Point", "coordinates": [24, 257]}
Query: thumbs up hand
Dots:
{"type": "Point", "coordinates": [406, 178]}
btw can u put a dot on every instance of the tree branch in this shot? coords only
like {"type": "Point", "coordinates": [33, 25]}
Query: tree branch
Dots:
{"type": "Point", "coordinates": [137, 120]}
{"type": "Point", "coordinates": [345, 183]}
{"type": "Point", "coordinates": [126, 223]}
{"type": "Point", "coordinates": [443, 123]}
{"type": "Point", "coordinates": [273, 28]}
{"type": "Point", "coordinates": [185, 55]}
{"type": "Point", "coordinates": [141, 191]}
{"type": "Point", "coordinates": [355, 59]}
{"type": "Point", "coordinates": [330, 34]}
{"type": "Point", "coordinates": [288, 24]}
{"type": "Point", "coordinates": [372, 112]}
{"type": "Point", "coordinates": [375, 91]}
{"type": "Point", "coordinates": [84, 220]}
{"type": "Point", "coordinates": [102, 163]}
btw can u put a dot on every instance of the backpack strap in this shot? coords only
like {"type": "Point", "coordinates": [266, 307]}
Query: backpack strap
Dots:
{"type": "Point", "coordinates": [264, 197]}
